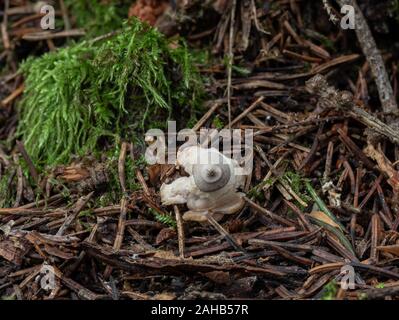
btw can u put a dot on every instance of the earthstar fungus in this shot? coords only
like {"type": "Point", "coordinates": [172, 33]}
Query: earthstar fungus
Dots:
{"type": "Point", "coordinates": [210, 188]}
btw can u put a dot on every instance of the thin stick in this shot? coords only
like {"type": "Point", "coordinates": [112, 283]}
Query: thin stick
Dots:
{"type": "Point", "coordinates": [270, 214]}
{"type": "Point", "coordinates": [121, 225]}
{"type": "Point", "coordinates": [180, 232]}
{"type": "Point", "coordinates": [255, 18]}
{"type": "Point", "coordinates": [231, 58]}
{"type": "Point", "coordinates": [3, 157]}
{"type": "Point", "coordinates": [31, 166]}
{"type": "Point", "coordinates": [305, 221]}
{"type": "Point", "coordinates": [342, 100]}
{"type": "Point", "coordinates": [122, 217]}
{"type": "Point", "coordinates": [39, 36]}
{"type": "Point", "coordinates": [20, 182]}
{"type": "Point", "coordinates": [139, 176]}
{"type": "Point", "coordinates": [224, 233]}
{"type": "Point", "coordinates": [15, 94]}
{"type": "Point", "coordinates": [327, 168]}
{"type": "Point", "coordinates": [248, 110]}
{"type": "Point", "coordinates": [119, 233]}
{"type": "Point", "coordinates": [374, 58]}
{"type": "Point", "coordinates": [216, 105]}
{"type": "Point", "coordinates": [313, 149]}
{"type": "Point", "coordinates": [279, 177]}
{"type": "Point", "coordinates": [65, 17]}
{"type": "Point", "coordinates": [4, 32]}
{"type": "Point", "coordinates": [371, 192]}
{"type": "Point", "coordinates": [79, 207]}
{"type": "Point", "coordinates": [121, 166]}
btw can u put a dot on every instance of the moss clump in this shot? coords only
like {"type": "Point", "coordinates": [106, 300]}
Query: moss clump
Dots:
{"type": "Point", "coordinates": [89, 95]}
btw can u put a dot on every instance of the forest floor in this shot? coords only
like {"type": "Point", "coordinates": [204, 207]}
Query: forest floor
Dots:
{"type": "Point", "coordinates": [80, 207]}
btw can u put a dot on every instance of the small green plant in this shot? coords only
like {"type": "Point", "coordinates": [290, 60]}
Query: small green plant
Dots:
{"type": "Point", "coordinates": [257, 191]}
{"type": "Point", "coordinates": [380, 285]}
{"type": "Point", "coordinates": [337, 231]}
{"type": "Point", "coordinates": [330, 291]}
{"type": "Point", "coordinates": [6, 193]}
{"type": "Point", "coordinates": [86, 213]}
{"type": "Point", "coordinates": [218, 123]}
{"type": "Point", "coordinates": [164, 218]}
{"type": "Point", "coordinates": [241, 71]}
{"type": "Point", "coordinates": [296, 182]}
{"type": "Point", "coordinates": [85, 97]}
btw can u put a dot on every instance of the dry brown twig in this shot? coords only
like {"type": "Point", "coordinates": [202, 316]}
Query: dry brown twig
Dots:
{"type": "Point", "coordinates": [180, 231]}
{"type": "Point", "coordinates": [231, 58]}
{"type": "Point", "coordinates": [122, 217]}
{"type": "Point", "coordinates": [46, 35]}
{"type": "Point", "coordinates": [374, 58]}
{"type": "Point", "coordinates": [330, 98]}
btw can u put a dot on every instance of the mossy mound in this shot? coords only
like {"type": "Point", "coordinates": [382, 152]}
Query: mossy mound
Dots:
{"type": "Point", "coordinates": [85, 96]}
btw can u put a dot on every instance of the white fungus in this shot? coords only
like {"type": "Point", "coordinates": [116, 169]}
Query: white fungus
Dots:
{"type": "Point", "coordinates": [211, 186]}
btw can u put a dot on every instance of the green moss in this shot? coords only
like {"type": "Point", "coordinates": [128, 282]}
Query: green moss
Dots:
{"type": "Point", "coordinates": [257, 193]}
{"type": "Point", "coordinates": [6, 193]}
{"type": "Point", "coordinates": [164, 218]}
{"type": "Point", "coordinates": [98, 17]}
{"type": "Point", "coordinates": [296, 182]}
{"type": "Point", "coordinates": [330, 291]}
{"type": "Point", "coordinates": [218, 123]}
{"type": "Point", "coordinates": [88, 96]}
{"type": "Point", "coordinates": [380, 285]}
